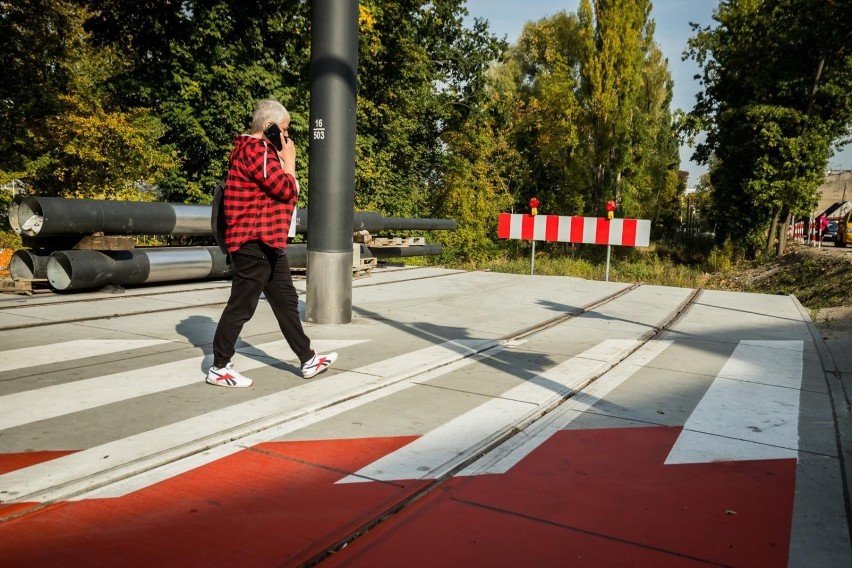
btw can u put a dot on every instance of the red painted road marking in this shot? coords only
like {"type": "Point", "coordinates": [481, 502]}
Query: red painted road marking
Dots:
{"type": "Point", "coordinates": [597, 498]}
{"type": "Point", "coordinates": [274, 505]}
{"type": "Point", "coordinates": [12, 462]}
{"type": "Point", "coordinates": [585, 497]}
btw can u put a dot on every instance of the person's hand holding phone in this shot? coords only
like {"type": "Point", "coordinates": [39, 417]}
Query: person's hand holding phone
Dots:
{"type": "Point", "coordinates": [288, 154]}
{"type": "Point", "coordinates": [284, 145]}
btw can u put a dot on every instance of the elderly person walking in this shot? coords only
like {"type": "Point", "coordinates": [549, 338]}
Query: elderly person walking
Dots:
{"type": "Point", "coordinates": [259, 201]}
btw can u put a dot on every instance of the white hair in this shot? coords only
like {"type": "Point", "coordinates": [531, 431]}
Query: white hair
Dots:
{"type": "Point", "coordinates": [266, 111]}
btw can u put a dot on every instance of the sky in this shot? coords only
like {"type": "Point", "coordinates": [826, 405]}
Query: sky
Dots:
{"type": "Point", "coordinates": [507, 18]}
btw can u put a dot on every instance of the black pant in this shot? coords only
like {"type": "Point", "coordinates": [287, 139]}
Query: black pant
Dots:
{"type": "Point", "coordinates": [259, 268]}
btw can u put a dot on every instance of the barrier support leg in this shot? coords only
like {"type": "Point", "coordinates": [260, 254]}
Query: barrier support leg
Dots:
{"type": "Point", "coordinates": [532, 259]}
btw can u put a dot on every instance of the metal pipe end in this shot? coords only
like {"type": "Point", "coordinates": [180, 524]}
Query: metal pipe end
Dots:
{"type": "Point", "coordinates": [13, 213]}
{"type": "Point", "coordinates": [29, 217]}
{"type": "Point", "coordinates": [59, 271]}
{"type": "Point", "coordinates": [25, 264]}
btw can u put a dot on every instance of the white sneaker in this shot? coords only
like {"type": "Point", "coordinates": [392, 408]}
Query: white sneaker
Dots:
{"type": "Point", "coordinates": [227, 376]}
{"type": "Point", "coordinates": [317, 364]}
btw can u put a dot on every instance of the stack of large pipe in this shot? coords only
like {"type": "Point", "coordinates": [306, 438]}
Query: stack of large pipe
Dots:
{"type": "Point", "coordinates": [51, 226]}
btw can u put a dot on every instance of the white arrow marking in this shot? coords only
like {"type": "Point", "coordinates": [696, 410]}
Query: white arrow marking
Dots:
{"type": "Point", "coordinates": [439, 450]}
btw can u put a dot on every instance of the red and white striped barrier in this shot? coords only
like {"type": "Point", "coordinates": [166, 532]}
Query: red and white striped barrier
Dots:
{"type": "Point", "coordinates": [803, 231]}
{"type": "Point", "coordinates": [797, 231]}
{"type": "Point", "coordinates": [585, 230]}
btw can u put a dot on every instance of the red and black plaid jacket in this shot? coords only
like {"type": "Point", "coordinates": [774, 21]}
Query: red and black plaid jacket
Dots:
{"type": "Point", "coordinates": [259, 197]}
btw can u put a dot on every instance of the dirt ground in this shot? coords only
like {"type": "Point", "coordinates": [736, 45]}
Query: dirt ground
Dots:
{"type": "Point", "coordinates": [820, 277]}
{"type": "Point", "coordinates": [836, 321]}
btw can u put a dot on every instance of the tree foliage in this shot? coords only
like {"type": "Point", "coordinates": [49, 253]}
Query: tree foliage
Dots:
{"type": "Point", "coordinates": [201, 65]}
{"type": "Point", "coordinates": [777, 80]}
{"type": "Point", "coordinates": [592, 119]}
{"type": "Point", "coordinates": [545, 127]}
{"type": "Point", "coordinates": [32, 53]}
{"type": "Point", "coordinates": [67, 137]}
{"type": "Point", "coordinates": [421, 76]}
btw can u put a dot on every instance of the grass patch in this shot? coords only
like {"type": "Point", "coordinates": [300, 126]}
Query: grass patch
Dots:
{"type": "Point", "coordinates": [647, 268]}
{"type": "Point", "coordinates": [818, 280]}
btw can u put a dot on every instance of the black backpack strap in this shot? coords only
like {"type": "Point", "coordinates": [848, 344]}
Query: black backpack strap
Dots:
{"type": "Point", "coordinates": [217, 216]}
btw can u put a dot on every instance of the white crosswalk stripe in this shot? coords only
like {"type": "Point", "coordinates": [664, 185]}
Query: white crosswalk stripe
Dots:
{"type": "Point", "coordinates": [751, 411]}
{"type": "Point", "coordinates": [178, 467]}
{"type": "Point", "coordinates": [13, 359]}
{"type": "Point", "coordinates": [58, 400]}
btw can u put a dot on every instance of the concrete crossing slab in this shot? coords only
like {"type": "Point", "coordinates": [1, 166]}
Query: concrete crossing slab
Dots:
{"type": "Point", "coordinates": [512, 419]}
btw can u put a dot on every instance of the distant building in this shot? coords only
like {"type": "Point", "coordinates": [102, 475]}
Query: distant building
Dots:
{"type": "Point", "coordinates": [835, 194]}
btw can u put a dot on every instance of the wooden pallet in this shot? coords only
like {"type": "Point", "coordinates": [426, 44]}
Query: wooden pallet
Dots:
{"type": "Point", "coordinates": [27, 286]}
{"type": "Point", "coordinates": [397, 241]}
{"type": "Point", "coordinates": [360, 267]}
{"type": "Point", "coordinates": [364, 267]}
{"type": "Point", "coordinates": [105, 242]}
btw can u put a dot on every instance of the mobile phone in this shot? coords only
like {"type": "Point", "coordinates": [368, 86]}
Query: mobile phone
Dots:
{"type": "Point", "coordinates": [273, 134]}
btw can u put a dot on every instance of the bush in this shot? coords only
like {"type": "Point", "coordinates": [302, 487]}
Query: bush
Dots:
{"type": "Point", "coordinates": [10, 240]}
{"type": "Point", "coordinates": [721, 260]}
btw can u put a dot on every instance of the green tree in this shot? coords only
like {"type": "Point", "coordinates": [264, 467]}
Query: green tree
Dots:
{"type": "Point", "coordinates": [32, 53]}
{"type": "Point", "coordinates": [592, 118]}
{"type": "Point", "coordinates": [77, 143]}
{"type": "Point", "coordinates": [615, 39]}
{"type": "Point", "coordinates": [201, 65]}
{"type": "Point", "coordinates": [475, 187]}
{"type": "Point", "coordinates": [421, 76]}
{"type": "Point", "coordinates": [777, 95]}
{"type": "Point", "coordinates": [547, 115]}
{"type": "Point", "coordinates": [651, 187]}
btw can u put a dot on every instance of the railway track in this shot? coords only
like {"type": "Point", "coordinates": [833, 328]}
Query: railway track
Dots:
{"type": "Point", "coordinates": [116, 295]}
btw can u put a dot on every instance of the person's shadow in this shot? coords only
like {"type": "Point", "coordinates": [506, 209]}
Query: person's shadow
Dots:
{"type": "Point", "coordinates": [199, 332]}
